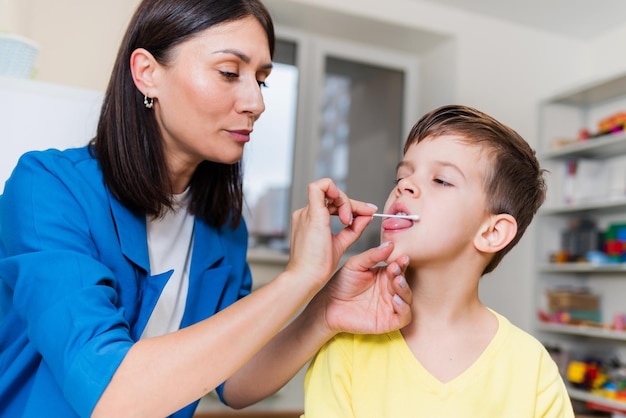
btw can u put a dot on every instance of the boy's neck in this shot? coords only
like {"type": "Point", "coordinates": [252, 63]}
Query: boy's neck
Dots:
{"type": "Point", "coordinates": [448, 337]}
{"type": "Point", "coordinates": [445, 299]}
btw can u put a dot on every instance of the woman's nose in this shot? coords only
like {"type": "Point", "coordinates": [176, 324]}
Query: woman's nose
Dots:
{"type": "Point", "coordinates": [251, 100]}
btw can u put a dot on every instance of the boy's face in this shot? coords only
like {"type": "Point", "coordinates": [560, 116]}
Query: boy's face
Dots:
{"type": "Point", "coordinates": [441, 180]}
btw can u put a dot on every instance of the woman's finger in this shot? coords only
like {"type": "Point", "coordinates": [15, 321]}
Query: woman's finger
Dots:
{"type": "Point", "coordinates": [325, 193]}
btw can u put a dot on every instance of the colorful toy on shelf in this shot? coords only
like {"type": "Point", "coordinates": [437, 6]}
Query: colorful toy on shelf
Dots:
{"type": "Point", "coordinates": [619, 322]}
{"type": "Point", "coordinates": [615, 242]}
{"type": "Point", "coordinates": [613, 123]}
{"type": "Point", "coordinates": [581, 241]}
{"type": "Point", "coordinates": [581, 236]}
{"type": "Point", "coordinates": [583, 134]}
{"type": "Point", "coordinates": [602, 378]}
{"type": "Point", "coordinates": [573, 306]}
{"type": "Point", "coordinates": [587, 375]}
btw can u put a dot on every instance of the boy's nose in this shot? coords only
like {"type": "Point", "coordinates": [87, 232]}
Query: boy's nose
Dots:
{"type": "Point", "coordinates": [405, 186]}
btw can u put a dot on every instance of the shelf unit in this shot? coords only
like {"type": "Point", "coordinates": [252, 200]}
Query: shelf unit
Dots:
{"type": "Point", "coordinates": [596, 399]}
{"type": "Point", "coordinates": [561, 118]}
{"type": "Point", "coordinates": [583, 331]}
{"type": "Point", "coordinates": [600, 147]}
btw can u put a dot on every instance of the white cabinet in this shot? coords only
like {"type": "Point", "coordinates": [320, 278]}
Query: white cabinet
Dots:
{"type": "Point", "coordinates": [586, 188]}
{"type": "Point", "coordinates": [35, 115]}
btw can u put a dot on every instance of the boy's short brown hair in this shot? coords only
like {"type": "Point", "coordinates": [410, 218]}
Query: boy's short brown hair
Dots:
{"type": "Point", "coordinates": [514, 183]}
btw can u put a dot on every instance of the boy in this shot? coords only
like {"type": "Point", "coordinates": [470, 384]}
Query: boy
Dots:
{"type": "Point", "coordinates": [475, 185]}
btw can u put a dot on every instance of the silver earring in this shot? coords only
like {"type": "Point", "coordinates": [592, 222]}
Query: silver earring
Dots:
{"type": "Point", "coordinates": [148, 102]}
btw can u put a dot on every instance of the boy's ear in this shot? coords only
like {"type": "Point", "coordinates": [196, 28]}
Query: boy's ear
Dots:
{"type": "Point", "coordinates": [143, 66]}
{"type": "Point", "coordinates": [496, 233]}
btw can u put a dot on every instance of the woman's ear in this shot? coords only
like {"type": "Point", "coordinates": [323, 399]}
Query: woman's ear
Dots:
{"type": "Point", "coordinates": [496, 233]}
{"type": "Point", "coordinates": [142, 67]}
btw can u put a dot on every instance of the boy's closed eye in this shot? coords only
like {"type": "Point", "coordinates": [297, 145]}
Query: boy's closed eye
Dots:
{"type": "Point", "coordinates": [442, 182]}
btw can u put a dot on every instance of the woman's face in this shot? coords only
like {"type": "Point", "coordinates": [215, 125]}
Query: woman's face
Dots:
{"type": "Point", "coordinates": [208, 96]}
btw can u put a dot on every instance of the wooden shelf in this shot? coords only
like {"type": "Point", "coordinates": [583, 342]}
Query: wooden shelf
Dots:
{"type": "Point", "coordinates": [583, 331]}
{"type": "Point", "coordinates": [582, 395]}
{"type": "Point", "coordinates": [612, 206]}
{"type": "Point", "coordinates": [583, 268]}
{"type": "Point", "coordinates": [599, 147]}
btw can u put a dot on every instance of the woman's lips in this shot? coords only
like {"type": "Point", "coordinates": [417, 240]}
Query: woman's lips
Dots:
{"type": "Point", "coordinates": [240, 135]}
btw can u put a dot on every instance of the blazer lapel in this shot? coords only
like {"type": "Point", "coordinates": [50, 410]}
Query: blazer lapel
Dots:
{"type": "Point", "coordinates": [132, 233]}
{"type": "Point", "coordinates": [208, 274]}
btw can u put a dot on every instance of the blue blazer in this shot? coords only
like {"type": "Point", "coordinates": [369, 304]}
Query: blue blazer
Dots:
{"type": "Point", "coordinates": [75, 284]}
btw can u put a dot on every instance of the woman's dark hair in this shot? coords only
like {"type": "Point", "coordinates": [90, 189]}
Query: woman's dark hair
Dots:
{"type": "Point", "coordinates": [128, 143]}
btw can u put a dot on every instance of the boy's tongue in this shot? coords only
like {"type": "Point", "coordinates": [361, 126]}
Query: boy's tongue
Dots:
{"type": "Point", "coordinates": [396, 223]}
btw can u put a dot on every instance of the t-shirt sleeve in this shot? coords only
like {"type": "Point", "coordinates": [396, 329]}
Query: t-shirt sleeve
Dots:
{"type": "Point", "coordinates": [552, 398]}
{"type": "Point", "coordinates": [328, 381]}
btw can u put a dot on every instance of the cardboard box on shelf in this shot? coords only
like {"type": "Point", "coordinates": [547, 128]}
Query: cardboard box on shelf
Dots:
{"type": "Point", "coordinates": [559, 300]}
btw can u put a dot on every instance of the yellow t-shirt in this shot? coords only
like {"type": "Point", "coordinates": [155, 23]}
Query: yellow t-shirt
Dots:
{"type": "Point", "coordinates": [377, 376]}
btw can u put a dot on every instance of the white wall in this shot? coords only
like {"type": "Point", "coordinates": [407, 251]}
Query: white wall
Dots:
{"type": "Point", "coordinates": [12, 15]}
{"type": "Point", "coordinates": [78, 39]}
{"type": "Point", "coordinates": [500, 68]}
{"type": "Point", "coordinates": [604, 56]}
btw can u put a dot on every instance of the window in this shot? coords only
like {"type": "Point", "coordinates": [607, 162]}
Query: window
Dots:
{"type": "Point", "coordinates": [268, 157]}
{"type": "Point", "coordinates": [361, 129]}
{"type": "Point", "coordinates": [332, 110]}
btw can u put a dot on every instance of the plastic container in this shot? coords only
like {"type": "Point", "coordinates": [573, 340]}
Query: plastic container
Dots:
{"type": "Point", "coordinates": [17, 56]}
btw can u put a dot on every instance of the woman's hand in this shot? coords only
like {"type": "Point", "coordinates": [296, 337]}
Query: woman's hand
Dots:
{"type": "Point", "coordinates": [315, 251]}
{"type": "Point", "coordinates": [363, 297]}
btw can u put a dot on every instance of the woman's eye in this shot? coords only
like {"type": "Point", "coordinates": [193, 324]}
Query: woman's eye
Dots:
{"type": "Point", "coordinates": [397, 180]}
{"type": "Point", "coordinates": [229, 76]}
{"type": "Point", "coordinates": [262, 83]}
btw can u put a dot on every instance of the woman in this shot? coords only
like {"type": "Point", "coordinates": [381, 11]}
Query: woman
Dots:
{"type": "Point", "coordinates": [123, 264]}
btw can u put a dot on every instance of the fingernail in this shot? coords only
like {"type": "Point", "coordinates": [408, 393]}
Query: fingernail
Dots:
{"type": "Point", "coordinates": [402, 282]}
{"type": "Point", "coordinates": [385, 244]}
{"type": "Point", "coordinates": [398, 300]}
{"type": "Point", "coordinates": [371, 205]}
{"type": "Point", "coordinates": [397, 270]}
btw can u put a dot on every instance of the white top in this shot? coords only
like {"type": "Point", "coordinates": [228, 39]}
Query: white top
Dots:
{"type": "Point", "coordinates": [170, 241]}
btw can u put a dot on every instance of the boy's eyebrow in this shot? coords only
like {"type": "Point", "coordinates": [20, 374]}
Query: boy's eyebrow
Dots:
{"type": "Point", "coordinates": [241, 56]}
{"type": "Point", "coordinates": [452, 166]}
{"type": "Point", "coordinates": [403, 163]}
